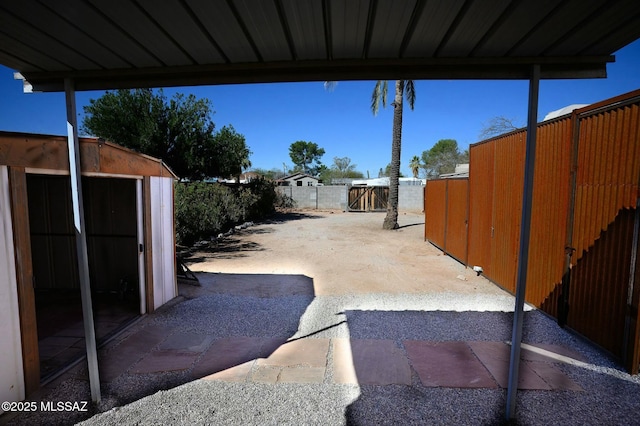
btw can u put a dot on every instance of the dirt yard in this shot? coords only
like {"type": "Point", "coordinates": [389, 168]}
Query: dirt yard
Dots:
{"type": "Point", "coordinates": [344, 253]}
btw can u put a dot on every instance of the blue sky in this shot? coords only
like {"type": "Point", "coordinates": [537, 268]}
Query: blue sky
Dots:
{"type": "Point", "coordinates": [272, 116]}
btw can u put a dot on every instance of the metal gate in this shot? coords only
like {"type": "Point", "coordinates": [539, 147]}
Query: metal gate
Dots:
{"type": "Point", "coordinates": [368, 198]}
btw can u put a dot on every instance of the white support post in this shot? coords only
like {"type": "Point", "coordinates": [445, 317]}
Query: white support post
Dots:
{"type": "Point", "coordinates": [525, 233]}
{"type": "Point", "coordinates": [81, 238]}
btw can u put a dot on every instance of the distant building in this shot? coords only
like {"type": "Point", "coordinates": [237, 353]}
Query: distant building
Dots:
{"type": "Point", "coordinates": [462, 171]}
{"type": "Point", "coordinates": [299, 179]}
{"type": "Point", "coordinates": [244, 178]}
{"type": "Point", "coordinates": [563, 111]}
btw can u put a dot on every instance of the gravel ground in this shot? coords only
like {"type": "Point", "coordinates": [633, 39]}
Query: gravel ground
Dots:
{"type": "Point", "coordinates": [610, 396]}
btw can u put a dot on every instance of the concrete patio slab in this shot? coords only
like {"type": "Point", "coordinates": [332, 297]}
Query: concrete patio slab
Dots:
{"type": "Point", "coordinates": [448, 364]}
{"type": "Point", "coordinates": [370, 362]}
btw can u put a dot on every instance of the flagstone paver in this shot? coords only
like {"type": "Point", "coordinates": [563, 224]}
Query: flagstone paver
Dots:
{"type": "Point", "coordinates": [495, 356]}
{"type": "Point", "coordinates": [374, 362]}
{"type": "Point", "coordinates": [448, 364]}
{"type": "Point", "coordinates": [306, 352]}
{"type": "Point", "coordinates": [159, 361]}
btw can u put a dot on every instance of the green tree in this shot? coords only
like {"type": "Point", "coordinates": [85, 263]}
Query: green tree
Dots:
{"type": "Point", "coordinates": [443, 158]}
{"type": "Point", "coordinates": [303, 154]}
{"type": "Point", "coordinates": [415, 165]}
{"type": "Point", "coordinates": [179, 131]}
{"type": "Point", "coordinates": [233, 153]}
{"type": "Point", "coordinates": [403, 88]}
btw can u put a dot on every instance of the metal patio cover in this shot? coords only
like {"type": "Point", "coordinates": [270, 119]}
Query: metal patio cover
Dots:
{"type": "Point", "coordinates": [108, 44]}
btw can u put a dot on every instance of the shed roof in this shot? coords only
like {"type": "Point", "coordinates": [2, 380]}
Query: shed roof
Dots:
{"type": "Point", "coordinates": [107, 44]}
{"type": "Point", "coordinates": [50, 153]}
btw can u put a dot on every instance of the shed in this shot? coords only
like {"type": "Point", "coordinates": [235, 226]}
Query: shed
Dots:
{"type": "Point", "coordinates": [131, 247]}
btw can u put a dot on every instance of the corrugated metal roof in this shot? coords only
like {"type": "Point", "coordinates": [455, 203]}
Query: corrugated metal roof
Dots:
{"type": "Point", "coordinates": [145, 43]}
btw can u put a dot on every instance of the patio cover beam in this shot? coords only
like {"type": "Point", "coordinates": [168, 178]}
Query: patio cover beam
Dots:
{"type": "Point", "coordinates": [525, 233]}
{"type": "Point", "coordinates": [322, 70]}
{"type": "Point", "coordinates": [81, 238]}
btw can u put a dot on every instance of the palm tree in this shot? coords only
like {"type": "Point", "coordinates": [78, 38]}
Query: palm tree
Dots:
{"type": "Point", "coordinates": [404, 88]}
{"type": "Point", "coordinates": [414, 165]}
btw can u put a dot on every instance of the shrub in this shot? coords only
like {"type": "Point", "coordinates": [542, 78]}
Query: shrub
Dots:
{"type": "Point", "coordinates": [203, 209]}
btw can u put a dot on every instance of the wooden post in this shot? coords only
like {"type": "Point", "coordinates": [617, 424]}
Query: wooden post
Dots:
{"type": "Point", "coordinates": [24, 278]}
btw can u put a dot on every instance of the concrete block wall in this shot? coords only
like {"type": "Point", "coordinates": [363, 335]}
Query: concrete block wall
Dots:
{"type": "Point", "coordinates": [410, 198]}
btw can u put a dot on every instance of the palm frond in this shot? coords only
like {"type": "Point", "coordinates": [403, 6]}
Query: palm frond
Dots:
{"type": "Point", "coordinates": [375, 98]}
{"type": "Point", "coordinates": [329, 86]}
{"type": "Point", "coordinates": [410, 92]}
{"type": "Point", "coordinates": [385, 90]}
{"type": "Point", "coordinates": [379, 95]}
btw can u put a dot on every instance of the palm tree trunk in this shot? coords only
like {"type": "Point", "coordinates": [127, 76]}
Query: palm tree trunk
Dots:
{"type": "Point", "coordinates": [391, 220]}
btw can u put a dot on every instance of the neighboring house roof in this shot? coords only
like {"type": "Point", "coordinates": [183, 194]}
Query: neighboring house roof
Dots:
{"type": "Point", "coordinates": [563, 111]}
{"type": "Point", "coordinates": [298, 176]}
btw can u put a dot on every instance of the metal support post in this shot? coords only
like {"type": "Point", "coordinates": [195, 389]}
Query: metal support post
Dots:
{"type": "Point", "coordinates": [525, 232]}
{"type": "Point", "coordinates": [81, 239]}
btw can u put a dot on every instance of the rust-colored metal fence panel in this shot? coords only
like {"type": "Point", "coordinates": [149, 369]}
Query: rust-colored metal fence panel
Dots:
{"type": "Point", "coordinates": [507, 208]}
{"type": "Point", "coordinates": [446, 215]}
{"type": "Point", "coordinates": [549, 213]}
{"type": "Point", "coordinates": [586, 193]}
{"type": "Point", "coordinates": [435, 205]}
{"type": "Point", "coordinates": [606, 196]}
{"type": "Point", "coordinates": [600, 284]}
{"type": "Point", "coordinates": [481, 160]}
{"type": "Point", "coordinates": [608, 170]}
{"type": "Point", "coordinates": [457, 218]}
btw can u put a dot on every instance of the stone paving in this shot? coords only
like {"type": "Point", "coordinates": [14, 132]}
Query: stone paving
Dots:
{"type": "Point", "coordinates": [451, 364]}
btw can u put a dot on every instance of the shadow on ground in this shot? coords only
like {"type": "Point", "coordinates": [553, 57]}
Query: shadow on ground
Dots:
{"type": "Point", "coordinates": [232, 247]}
{"type": "Point", "coordinates": [411, 224]}
{"type": "Point", "coordinates": [228, 320]}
